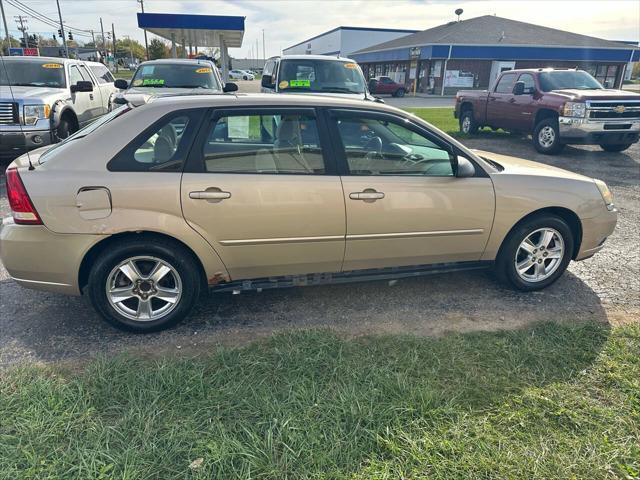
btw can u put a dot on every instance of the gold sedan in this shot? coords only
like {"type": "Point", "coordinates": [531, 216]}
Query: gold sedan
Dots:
{"type": "Point", "coordinates": [150, 205]}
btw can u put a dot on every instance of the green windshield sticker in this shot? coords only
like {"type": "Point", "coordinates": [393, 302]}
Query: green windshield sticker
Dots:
{"type": "Point", "coordinates": [299, 83]}
{"type": "Point", "coordinates": [152, 81]}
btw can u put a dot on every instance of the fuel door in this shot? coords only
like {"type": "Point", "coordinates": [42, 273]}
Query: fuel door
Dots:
{"type": "Point", "coordinates": [94, 203]}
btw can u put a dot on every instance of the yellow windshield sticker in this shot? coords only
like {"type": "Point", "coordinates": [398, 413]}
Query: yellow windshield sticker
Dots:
{"type": "Point", "coordinates": [137, 83]}
{"type": "Point", "coordinates": [300, 83]}
{"type": "Point", "coordinates": [283, 84]}
{"type": "Point", "coordinates": [350, 65]}
{"type": "Point", "coordinates": [204, 70]}
{"type": "Point", "coordinates": [51, 65]}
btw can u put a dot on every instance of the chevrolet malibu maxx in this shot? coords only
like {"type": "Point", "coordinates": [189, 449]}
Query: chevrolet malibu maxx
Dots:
{"type": "Point", "coordinates": [151, 205]}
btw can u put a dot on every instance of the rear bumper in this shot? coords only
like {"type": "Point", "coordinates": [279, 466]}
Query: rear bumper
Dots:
{"type": "Point", "coordinates": [580, 130]}
{"type": "Point", "coordinates": [595, 232]}
{"type": "Point", "coordinates": [38, 258]}
{"type": "Point", "coordinates": [15, 143]}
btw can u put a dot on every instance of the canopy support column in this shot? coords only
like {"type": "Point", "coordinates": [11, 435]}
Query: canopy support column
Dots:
{"type": "Point", "coordinates": [174, 54]}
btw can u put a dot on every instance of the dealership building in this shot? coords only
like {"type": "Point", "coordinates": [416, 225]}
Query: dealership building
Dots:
{"type": "Point", "coordinates": [472, 53]}
{"type": "Point", "coordinates": [344, 41]}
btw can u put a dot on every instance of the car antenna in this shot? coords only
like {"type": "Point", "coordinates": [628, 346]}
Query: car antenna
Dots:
{"type": "Point", "coordinates": [31, 167]}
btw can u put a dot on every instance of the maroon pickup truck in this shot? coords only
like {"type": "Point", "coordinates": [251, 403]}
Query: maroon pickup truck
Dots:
{"type": "Point", "coordinates": [557, 107]}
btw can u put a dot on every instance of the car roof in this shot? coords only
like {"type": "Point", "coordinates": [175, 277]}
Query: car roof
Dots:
{"type": "Point", "coordinates": [176, 60]}
{"type": "Point", "coordinates": [314, 57]}
{"type": "Point", "coordinates": [38, 59]}
{"type": "Point", "coordinates": [189, 100]}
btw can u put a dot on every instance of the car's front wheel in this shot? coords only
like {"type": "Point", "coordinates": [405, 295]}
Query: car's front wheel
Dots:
{"type": "Point", "coordinates": [144, 285]}
{"type": "Point", "coordinates": [615, 147]}
{"type": "Point", "coordinates": [399, 93]}
{"type": "Point", "coordinates": [536, 253]}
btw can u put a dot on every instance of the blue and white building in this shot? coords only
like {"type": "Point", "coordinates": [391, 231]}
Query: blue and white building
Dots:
{"type": "Point", "coordinates": [472, 53]}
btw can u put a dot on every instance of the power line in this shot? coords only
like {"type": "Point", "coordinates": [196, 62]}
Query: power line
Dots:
{"type": "Point", "coordinates": [34, 12]}
{"type": "Point", "coordinates": [44, 19]}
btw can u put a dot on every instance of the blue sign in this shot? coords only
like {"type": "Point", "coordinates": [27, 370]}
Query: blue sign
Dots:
{"type": "Point", "coordinates": [16, 51]}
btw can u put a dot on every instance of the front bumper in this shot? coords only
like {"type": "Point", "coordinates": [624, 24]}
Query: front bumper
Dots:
{"type": "Point", "coordinates": [38, 258]}
{"type": "Point", "coordinates": [15, 142]}
{"type": "Point", "coordinates": [586, 131]}
{"type": "Point", "coordinates": [595, 232]}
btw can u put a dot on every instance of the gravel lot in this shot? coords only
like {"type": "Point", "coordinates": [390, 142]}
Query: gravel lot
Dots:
{"type": "Point", "coordinates": [46, 327]}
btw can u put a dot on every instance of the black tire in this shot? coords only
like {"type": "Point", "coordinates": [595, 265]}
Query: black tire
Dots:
{"type": "Point", "coordinates": [65, 128]}
{"type": "Point", "coordinates": [505, 266]}
{"type": "Point", "coordinates": [553, 143]}
{"type": "Point", "coordinates": [184, 265]}
{"type": "Point", "coordinates": [615, 147]}
{"type": "Point", "coordinates": [468, 124]}
{"type": "Point", "coordinates": [399, 93]}
{"type": "Point", "coordinates": [245, 77]}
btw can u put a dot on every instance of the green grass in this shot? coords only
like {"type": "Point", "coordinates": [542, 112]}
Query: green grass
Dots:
{"type": "Point", "coordinates": [552, 401]}
{"type": "Point", "coordinates": [443, 119]}
{"type": "Point", "coordinates": [124, 73]}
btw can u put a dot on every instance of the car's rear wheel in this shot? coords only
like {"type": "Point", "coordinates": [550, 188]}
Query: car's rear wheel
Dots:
{"type": "Point", "coordinates": [546, 137]}
{"type": "Point", "coordinates": [144, 285]}
{"type": "Point", "coordinates": [468, 124]}
{"type": "Point", "coordinates": [399, 93]}
{"type": "Point", "coordinates": [615, 147]}
{"type": "Point", "coordinates": [536, 253]}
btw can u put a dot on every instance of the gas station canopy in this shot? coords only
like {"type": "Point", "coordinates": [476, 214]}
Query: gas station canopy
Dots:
{"type": "Point", "coordinates": [200, 30]}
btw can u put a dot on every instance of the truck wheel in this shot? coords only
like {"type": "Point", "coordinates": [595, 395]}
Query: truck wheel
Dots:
{"type": "Point", "coordinates": [65, 128]}
{"type": "Point", "coordinates": [399, 93]}
{"type": "Point", "coordinates": [546, 137]}
{"type": "Point", "coordinates": [468, 124]}
{"type": "Point", "coordinates": [615, 147]}
{"type": "Point", "coordinates": [536, 253]}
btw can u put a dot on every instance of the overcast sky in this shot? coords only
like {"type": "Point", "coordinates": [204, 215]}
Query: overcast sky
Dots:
{"type": "Point", "coordinates": [291, 21]}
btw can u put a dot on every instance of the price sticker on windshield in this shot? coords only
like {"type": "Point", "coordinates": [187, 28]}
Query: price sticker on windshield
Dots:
{"type": "Point", "coordinates": [51, 65]}
{"type": "Point", "coordinates": [283, 84]}
{"type": "Point", "coordinates": [152, 82]}
{"type": "Point", "coordinates": [299, 83]}
{"type": "Point", "coordinates": [204, 70]}
{"type": "Point", "coordinates": [137, 83]}
{"type": "Point", "coordinates": [350, 65]}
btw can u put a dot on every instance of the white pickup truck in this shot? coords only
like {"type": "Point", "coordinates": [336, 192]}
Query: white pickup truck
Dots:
{"type": "Point", "coordinates": [46, 99]}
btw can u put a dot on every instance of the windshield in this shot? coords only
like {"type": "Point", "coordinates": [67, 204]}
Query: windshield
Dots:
{"type": "Point", "coordinates": [327, 76]}
{"type": "Point", "coordinates": [83, 132]}
{"type": "Point", "coordinates": [176, 75]}
{"type": "Point", "coordinates": [30, 73]}
{"type": "Point", "coordinates": [571, 79]}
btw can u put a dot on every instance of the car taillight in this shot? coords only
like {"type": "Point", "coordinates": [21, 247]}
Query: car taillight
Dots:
{"type": "Point", "coordinates": [23, 211]}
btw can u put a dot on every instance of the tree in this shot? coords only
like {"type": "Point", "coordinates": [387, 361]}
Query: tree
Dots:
{"type": "Point", "coordinates": [13, 42]}
{"type": "Point", "coordinates": [126, 47]}
{"type": "Point", "coordinates": [158, 49]}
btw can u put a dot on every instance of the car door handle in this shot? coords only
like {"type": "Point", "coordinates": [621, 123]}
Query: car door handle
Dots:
{"type": "Point", "coordinates": [209, 195]}
{"type": "Point", "coordinates": [91, 96]}
{"type": "Point", "coordinates": [366, 195]}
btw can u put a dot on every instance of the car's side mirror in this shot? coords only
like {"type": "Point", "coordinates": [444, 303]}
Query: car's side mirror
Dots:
{"type": "Point", "coordinates": [267, 81]}
{"type": "Point", "coordinates": [464, 168]}
{"type": "Point", "coordinates": [121, 84]}
{"type": "Point", "coordinates": [82, 86]}
{"type": "Point", "coordinates": [518, 88]}
{"type": "Point", "coordinates": [230, 87]}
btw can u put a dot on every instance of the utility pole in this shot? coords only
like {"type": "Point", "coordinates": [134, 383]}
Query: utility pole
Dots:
{"type": "Point", "coordinates": [64, 38]}
{"type": "Point", "coordinates": [104, 41]}
{"type": "Point", "coordinates": [146, 45]}
{"type": "Point", "coordinates": [264, 54]}
{"type": "Point", "coordinates": [115, 58]}
{"type": "Point", "coordinates": [21, 19]}
{"type": "Point", "coordinates": [6, 29]}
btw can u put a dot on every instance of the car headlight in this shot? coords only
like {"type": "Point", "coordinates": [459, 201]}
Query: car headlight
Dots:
{"type": "Point", "coordinates": [33, 113]}
{"type": "Point", "coordinates": [575, 109]}
{"type": "Point", "coordinates": [607, 195]}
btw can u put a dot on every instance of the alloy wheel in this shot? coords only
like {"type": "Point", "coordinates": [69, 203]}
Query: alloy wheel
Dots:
{"type": "Point", "coordinates": [547, 136]}
{"type": "Point", "coordinates": [539, 255]}
{"type": "Point", "coordinates": [466, 124]}
{"type": "Point", "coordinates": [144, 288]}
